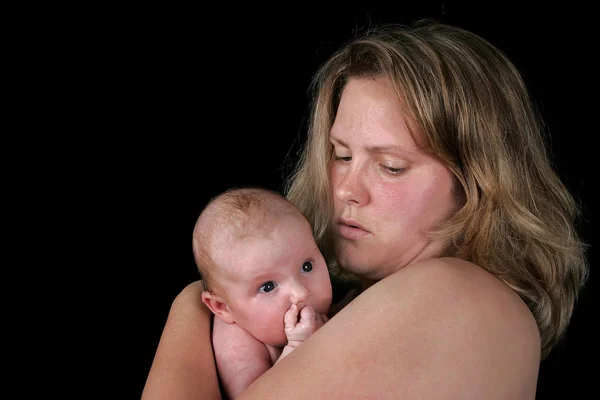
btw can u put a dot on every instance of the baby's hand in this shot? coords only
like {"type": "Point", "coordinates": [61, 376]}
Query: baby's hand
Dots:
{"type": "Point", "coordinates": [297, 329]}
{"type": "Point", "coordinates": [300, 329]}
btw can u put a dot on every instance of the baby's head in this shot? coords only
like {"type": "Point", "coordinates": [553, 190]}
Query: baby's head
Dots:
{"type": "Point", "coordinates": [256, 254]}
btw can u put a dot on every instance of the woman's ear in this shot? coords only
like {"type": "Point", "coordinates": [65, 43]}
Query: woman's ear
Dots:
{"type": "Point", "coordinates": [218, 306]}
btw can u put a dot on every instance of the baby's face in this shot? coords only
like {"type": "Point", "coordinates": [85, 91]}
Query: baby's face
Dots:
{"type": "Point", "coordinates": [264, 277]}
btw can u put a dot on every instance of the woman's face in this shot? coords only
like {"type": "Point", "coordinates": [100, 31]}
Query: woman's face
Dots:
{"type": "Point", "coordinates": [387, 192]}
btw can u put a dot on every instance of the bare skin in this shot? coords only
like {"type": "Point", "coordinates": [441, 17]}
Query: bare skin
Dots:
{"type": "Point", "coordinates": [183, 366]}
{"type": "Point", "coordinates": [479, 341]}
{"type": "Point", "coordinates": [241, 358]}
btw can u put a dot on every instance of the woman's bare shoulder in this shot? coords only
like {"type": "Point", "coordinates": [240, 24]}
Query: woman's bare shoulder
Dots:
{"type": "Point", "coordinates": [454, 314]}
{"type": "Point", "coordinates": [468, 292]}
{"type": "Point", "coordinates": [459, 284]}
{"type": "Point", "coordinates": [462, 298]}
{"type": "Point", "coordinates": [440, 328]}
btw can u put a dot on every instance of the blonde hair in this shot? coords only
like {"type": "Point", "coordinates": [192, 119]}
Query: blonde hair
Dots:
{"type": "Point", "coordinates": [470, 107]}
{"type": "Point", "coordinates": [243, 215]}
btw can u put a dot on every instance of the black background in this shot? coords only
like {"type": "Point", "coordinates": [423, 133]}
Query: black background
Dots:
{"type": "Point", "coordinates": [200, 100]}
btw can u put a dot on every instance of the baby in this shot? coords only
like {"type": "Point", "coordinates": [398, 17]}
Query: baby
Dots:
{"type": "Point", "coordinates": [264, 279]}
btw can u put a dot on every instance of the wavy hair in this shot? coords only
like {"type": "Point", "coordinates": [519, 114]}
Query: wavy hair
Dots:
{"type": "Point", "coordinates": [471, 108]}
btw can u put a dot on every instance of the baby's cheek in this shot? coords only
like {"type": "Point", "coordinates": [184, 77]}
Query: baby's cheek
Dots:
{"type": "Point", "coordinates": [327, 296]}
{"type": "Point", "coordinates": [273, 330]}
{"type": "Point", "coordinates": [324, 303]}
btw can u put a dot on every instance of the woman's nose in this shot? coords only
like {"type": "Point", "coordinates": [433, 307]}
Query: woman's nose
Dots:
{"type": "Point", "coordinates": [350, 189]}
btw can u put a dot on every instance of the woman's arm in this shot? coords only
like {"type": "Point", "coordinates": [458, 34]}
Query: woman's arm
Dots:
{"type": "Point", "coordinates": [183, 366]}
{"type": "Point", "coordinates": [442, 329]}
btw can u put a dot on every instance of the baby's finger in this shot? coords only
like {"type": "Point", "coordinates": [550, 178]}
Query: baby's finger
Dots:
{"type": "Point", "coordinates": [291, 317]}
{"type": "Point", "coordinates": [320, 320]}
{"type": "Point", "coordinates": [308, 314]}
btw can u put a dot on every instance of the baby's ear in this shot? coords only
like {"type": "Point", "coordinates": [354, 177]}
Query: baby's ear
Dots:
{"type": "Point", "coordinates": [218, 306]}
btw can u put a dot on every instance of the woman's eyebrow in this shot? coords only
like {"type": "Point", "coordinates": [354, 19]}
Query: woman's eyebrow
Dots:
{"type": "Point", "coordinates": [337, 141]}
{"type": "Point", "coordinates": [386, 149]}
{"type": "Point", "coordinates": [375, 149]}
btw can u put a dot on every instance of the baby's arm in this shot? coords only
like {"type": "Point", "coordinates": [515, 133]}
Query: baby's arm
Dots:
{"type": "Point", "coordinates": [298, 331]}
{"type": "Point", "coordinates": [240, 357]}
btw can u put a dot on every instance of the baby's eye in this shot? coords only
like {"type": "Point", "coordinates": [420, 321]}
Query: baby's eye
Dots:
{"type": "Point", "coordinates": [267, 286]}
{"type": "Point", "coordinates": [307, 266]}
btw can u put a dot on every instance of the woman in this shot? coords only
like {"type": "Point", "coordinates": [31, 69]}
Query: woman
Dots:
{"type": "Point", "coordinates": [425, 175]}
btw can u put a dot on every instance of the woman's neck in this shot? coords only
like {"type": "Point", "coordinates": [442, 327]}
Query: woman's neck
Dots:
{"type": "Point", "coordinates": [366, 283]}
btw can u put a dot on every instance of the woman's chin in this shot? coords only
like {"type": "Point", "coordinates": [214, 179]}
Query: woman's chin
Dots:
{"type": "Point", "coordinates": [355, 266]}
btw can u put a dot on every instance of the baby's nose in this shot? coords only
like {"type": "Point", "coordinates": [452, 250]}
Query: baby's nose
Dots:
{"type": "Point", "coordinates": [299, 294]}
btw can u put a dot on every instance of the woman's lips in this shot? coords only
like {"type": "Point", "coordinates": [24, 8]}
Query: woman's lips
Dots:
{"type": "Point", "coordinates": [351, 230]}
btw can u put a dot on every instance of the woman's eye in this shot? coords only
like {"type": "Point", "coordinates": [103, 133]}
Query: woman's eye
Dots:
{"type": "Point", "coordinates": [342, 159]}
{"type": "Point", "coordinates": [267, 287]}
{"type": "Point", "coordinates": [307, 266]}
{"type": "Point", "coordinates": [393, 171]}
